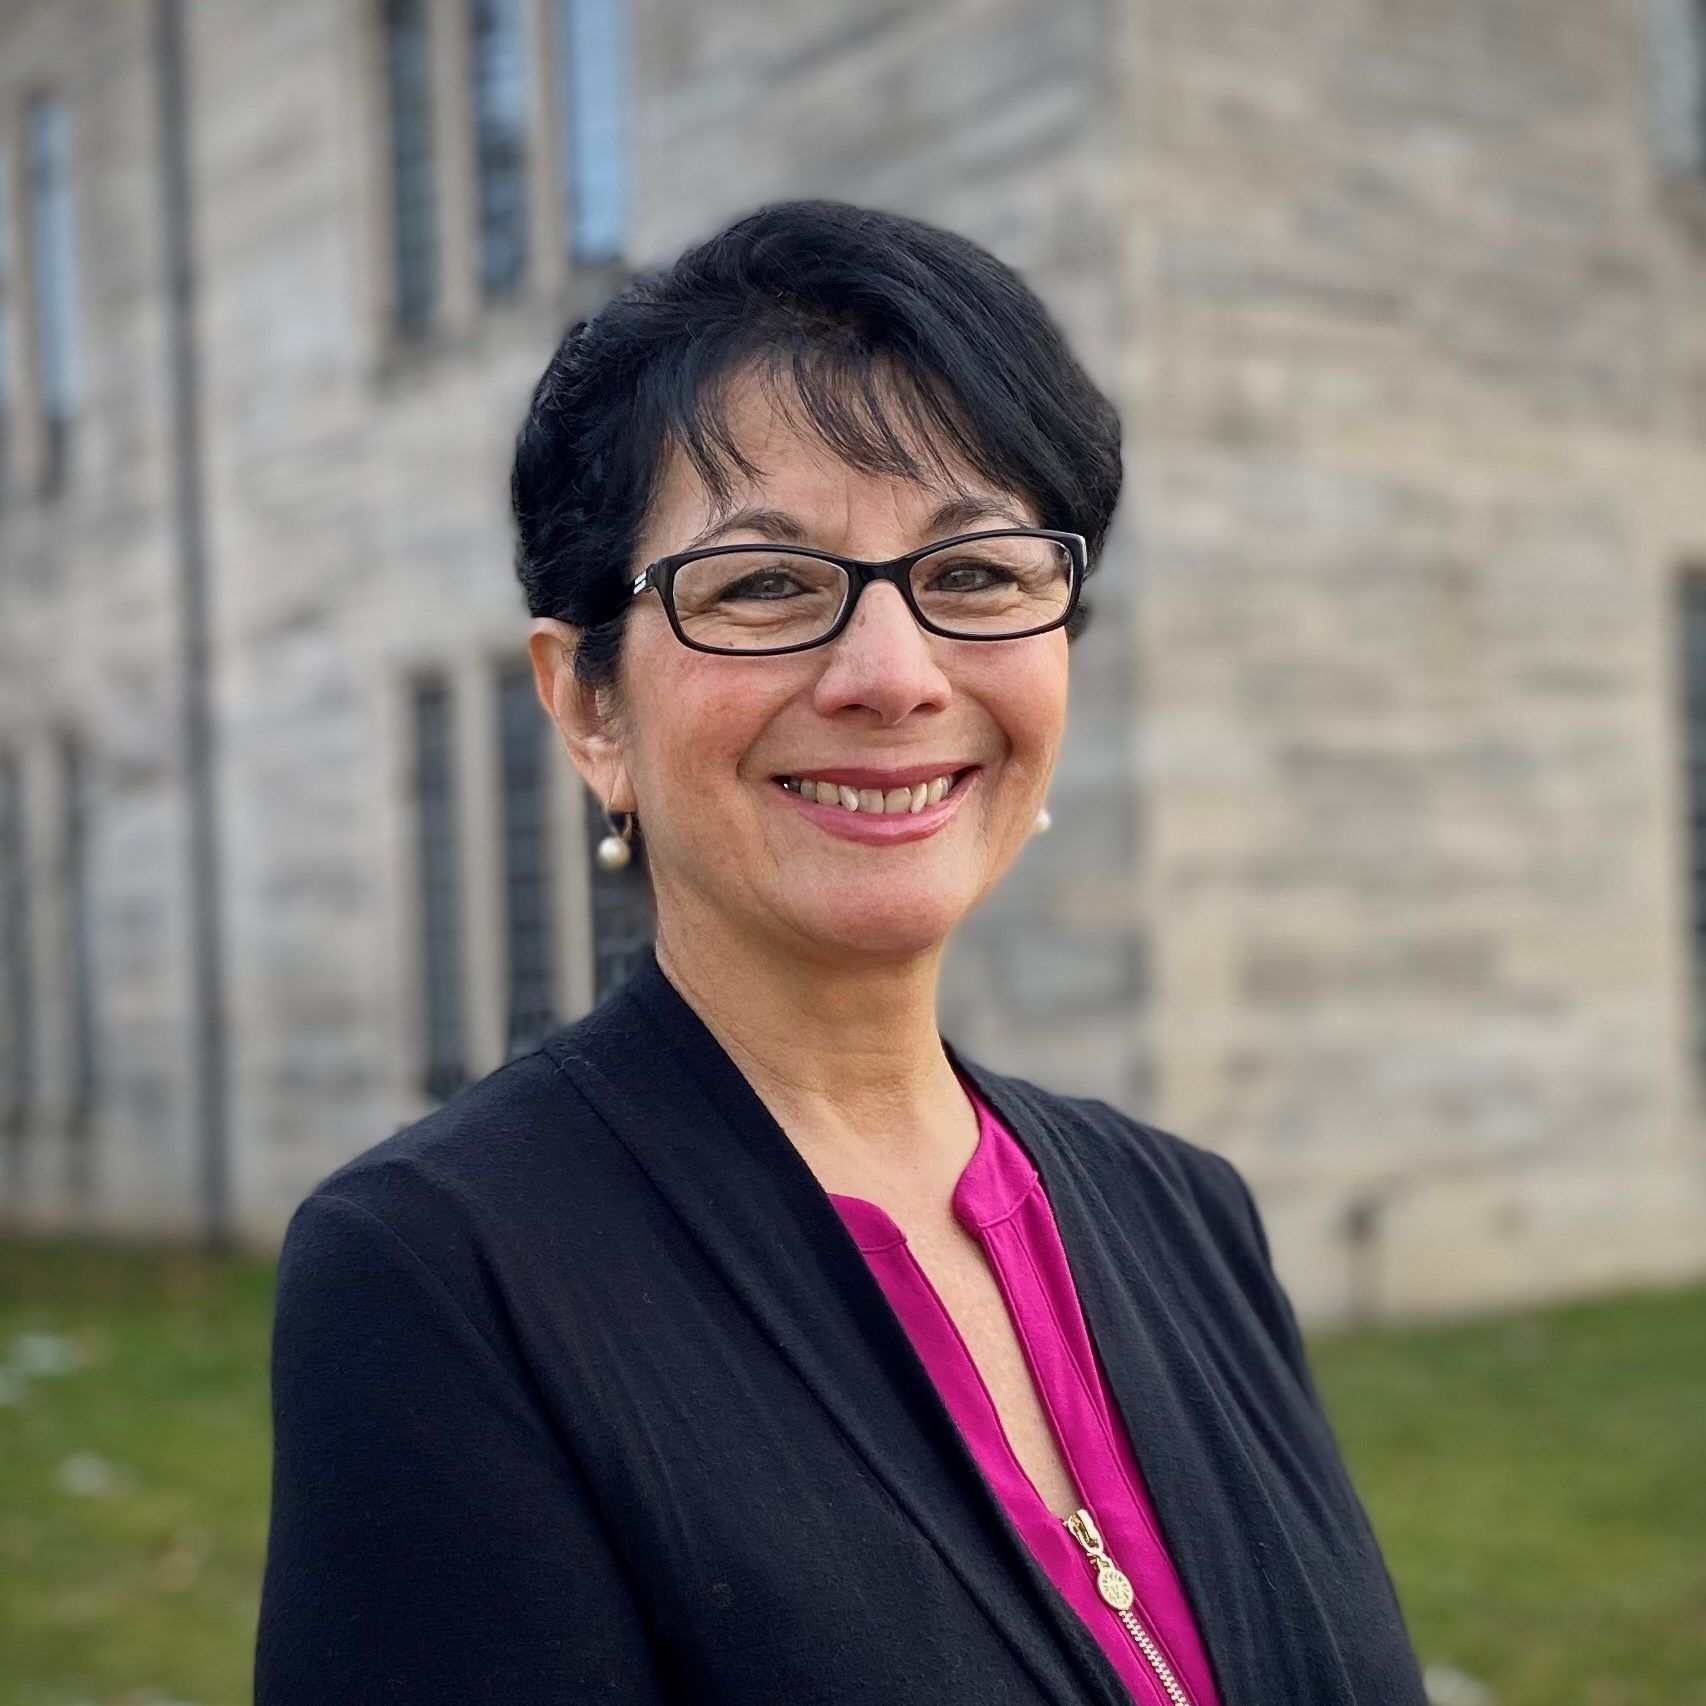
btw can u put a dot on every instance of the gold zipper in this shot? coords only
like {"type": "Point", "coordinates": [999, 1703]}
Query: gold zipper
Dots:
{"type": "Point", "coordinates": [1114, 1585]}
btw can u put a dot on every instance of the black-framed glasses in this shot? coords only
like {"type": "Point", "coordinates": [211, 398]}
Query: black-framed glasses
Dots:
{"type": "Point", "coordinates": [1002, 584]}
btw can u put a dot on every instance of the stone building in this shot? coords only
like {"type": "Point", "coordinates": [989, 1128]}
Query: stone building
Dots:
{"type": "Point", "coordinates": [1380, 849]}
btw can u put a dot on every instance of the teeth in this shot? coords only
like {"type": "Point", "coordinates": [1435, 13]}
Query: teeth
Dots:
{"type": "Point", "coordinates": [913, 799]}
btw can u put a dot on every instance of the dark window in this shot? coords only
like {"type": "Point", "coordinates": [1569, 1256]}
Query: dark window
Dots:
{"type": "Point", "coordinates": [414, 214]}
{"type": "Point", "coordinates": [8, 293]}
{"type": "Point", "coordinates": [522, 757]}
{"type": "Point", "coordinates": [1693, 623]}
{"type": "Point", "coordinates": [498, 60]}
{"type": "Point", "coordinates": [17, 1010]}
{"type": "Point", "coordinates": [1676, 71]}
{"type": "Point", "coordinates": [623, 919]}
{"type": "Point", "coordinates": [78, 956]}
{"type": "Point", "coordinates": [1697, 83]}
{"type": "Point", "coordinates": [592, 84]}
{"type": "Point", "coordinates": [445, 1060]}
{"type": "Point", "coordinates": [53, 278]}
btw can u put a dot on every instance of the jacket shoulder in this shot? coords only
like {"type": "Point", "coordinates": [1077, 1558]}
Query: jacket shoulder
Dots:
{"type": "Point", "coordinates": [1104, 1131]}
{"type": "Point", "coordinates": [477, 1143]}
{"type": "Point", "coordinates": [1216, 1184]}
{"type": "Point", "coordinates": [510, 1172]}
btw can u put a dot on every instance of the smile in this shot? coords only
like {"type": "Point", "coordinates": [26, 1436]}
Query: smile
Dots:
{"type": "Point", "coordinates": [865, 814]}
{"type": "Point", "coordinates": [826, 791]}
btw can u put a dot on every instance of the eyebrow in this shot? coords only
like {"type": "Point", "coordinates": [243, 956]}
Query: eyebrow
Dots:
{"type": "Point", "coordinates": [955, 515]}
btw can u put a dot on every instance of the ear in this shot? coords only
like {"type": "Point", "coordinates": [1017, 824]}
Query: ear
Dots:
{"type": "Point", "coordinates": [583, 717]}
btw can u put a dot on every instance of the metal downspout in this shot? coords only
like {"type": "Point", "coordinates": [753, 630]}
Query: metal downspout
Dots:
{"type": "Point", "coordinates": [210, 1064]}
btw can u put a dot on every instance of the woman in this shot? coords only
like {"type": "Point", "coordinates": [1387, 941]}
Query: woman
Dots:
{"type": "Point", "coordinates": [745, 1341]}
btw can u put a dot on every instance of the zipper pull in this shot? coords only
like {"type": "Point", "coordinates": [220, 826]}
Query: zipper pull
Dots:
{"type": "Point", "coordinates": [1112, 1583]}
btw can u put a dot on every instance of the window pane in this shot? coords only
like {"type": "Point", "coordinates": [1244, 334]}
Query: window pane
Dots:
{"type": "Point", "coordinates": [17, 1009]}
{"type": "Point", "coordinates": [74, 783]}
{"type": "Point", "coordinates": [8, 293]}
{"type": "Point", "coordinates": [526, 859]}
{"type": "Point", "coordinates": [53, 275]}
{"type": "Point", "coordinates": [500, 130]}
{"type": "Point", "coordinates": [414, 223]}
{"type": "Point", "coordinates": [592, 77]}
{"type": "Point", "coordinates": [1676, 39]}
{"type": "Point", "coordinates": [1693, 623]}
{"type": "Point", "coordinates": [440, 912]}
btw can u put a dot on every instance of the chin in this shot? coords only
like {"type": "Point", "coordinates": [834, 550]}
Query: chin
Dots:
{"type": "Point", "coordinates": [894, 924]}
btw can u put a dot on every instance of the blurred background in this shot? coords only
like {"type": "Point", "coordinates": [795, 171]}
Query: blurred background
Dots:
{"type": "Point", "coordinates": [1379, 858]}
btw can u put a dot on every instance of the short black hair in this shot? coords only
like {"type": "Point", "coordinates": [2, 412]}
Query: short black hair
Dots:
{"type": "Point", "coordinates": [837, 299]}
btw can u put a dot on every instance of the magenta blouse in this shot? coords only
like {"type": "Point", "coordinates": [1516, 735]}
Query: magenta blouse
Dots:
{"type": "Point", "coordinates": [999, 1198]}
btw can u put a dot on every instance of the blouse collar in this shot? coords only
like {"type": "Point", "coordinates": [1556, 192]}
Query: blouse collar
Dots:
{"type": "Point", "coordinates": [991, 1186]}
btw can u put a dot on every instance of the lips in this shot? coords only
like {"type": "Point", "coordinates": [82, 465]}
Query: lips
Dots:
{"type": "Point", "coordinates": [875, 817]}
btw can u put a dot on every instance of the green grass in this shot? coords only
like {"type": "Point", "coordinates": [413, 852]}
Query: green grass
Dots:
{"type": "Point", "coordinates": [1536, 1482]}
{"type": "Point", "coordinates": [146, 1592]}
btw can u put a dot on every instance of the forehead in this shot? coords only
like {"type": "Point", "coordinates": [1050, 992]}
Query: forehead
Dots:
{"type": "Point", "coordinates": [799, 472]}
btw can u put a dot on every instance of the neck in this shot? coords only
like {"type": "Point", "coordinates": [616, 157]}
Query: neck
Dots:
{"type": "Point", "coordinates": [843, 1049]}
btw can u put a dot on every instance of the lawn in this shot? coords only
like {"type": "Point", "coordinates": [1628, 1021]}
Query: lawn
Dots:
{"type": "Point", "coordinates": [1536, 1482]}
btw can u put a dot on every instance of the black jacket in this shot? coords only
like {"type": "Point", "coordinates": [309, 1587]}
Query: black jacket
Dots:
{"type": "Point", "coordinates": [583, 1392]}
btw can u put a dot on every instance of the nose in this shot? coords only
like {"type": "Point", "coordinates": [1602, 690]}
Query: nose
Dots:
{"type": "Point", "coordinates": [882, 660]}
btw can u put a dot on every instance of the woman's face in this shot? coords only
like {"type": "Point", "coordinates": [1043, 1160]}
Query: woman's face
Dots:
{"type": "Point", "coordinates": [699, 745]}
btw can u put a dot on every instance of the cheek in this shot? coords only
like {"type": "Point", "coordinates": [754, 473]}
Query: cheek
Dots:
{"type": "Point", "coordinates": [706, 715]}
{"type": "Point", "coordinates": [1026, 695]}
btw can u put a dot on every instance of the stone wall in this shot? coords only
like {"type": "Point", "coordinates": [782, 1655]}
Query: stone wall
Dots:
{"type": "Point", "coordinates": [1417, 392]}
{"type": "Point", "coordinates": [1369, 865]}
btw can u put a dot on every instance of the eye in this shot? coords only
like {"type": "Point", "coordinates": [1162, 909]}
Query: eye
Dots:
{"type": "Point", "coordinates": [964, 576]}
{"type": "Point", "coordinates": [764, 584]}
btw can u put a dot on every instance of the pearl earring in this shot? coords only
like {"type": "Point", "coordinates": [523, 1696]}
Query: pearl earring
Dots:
{"type": "Point", "coordinates": [1040, 827]}
{"type": "Point", "coordinates": [615, 850]}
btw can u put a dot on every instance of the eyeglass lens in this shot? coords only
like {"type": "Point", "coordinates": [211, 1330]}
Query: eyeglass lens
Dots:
{"type": "Point", "coordinates": [769, 596]}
